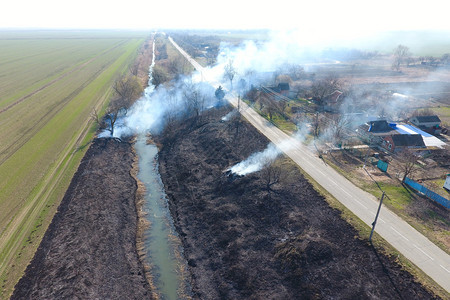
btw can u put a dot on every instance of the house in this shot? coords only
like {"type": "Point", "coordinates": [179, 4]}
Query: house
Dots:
{"type": "Point", "coordinates": [430, 124]}
{"type": "Point", "coordinates": [398, 142]}
{"type": "Point", "coordinates": [331, 102]}
{"type": "Point", "coordinates": [373, 132]}
{"type": "Point", "coordinates": [379, 126]}
{"type": "Point", "coordinates": [282, 88]}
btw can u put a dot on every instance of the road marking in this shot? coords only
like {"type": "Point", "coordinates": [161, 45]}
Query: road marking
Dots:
{"type": "Point", "coordinates": [444, 268]}
{"type": "Point", "coordinates": [423, 252]}
{"type": "Point", "coordinates": [399, 234]}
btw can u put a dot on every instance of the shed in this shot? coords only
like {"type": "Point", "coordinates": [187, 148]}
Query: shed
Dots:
{"type": "Point", "coordinates": [430, 124]}
{"type": "Point", "coordinates": [284, 88]}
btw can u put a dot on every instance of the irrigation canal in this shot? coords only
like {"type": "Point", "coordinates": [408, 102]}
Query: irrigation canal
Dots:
{"type": "Point", "coordinates": [163, 250]}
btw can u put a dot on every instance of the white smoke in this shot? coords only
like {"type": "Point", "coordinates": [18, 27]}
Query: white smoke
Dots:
{"type": "Point", "coordinates": [229, 115]}
{"type": "Point", "coordinates": [150, 112]}
{"type": "Point", "coordinates": [256, 161]}
{"type": "Point", "coordinates": [259, 160]}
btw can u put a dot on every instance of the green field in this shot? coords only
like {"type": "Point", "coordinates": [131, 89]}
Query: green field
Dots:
{"type": "Point", "coordinates": [50, 82]}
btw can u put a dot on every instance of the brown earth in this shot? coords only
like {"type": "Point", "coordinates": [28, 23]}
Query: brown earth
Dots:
{"type": "Point", "coordinates": [89, 250]}
{"type": "Point", "coordinates": [243, 242]}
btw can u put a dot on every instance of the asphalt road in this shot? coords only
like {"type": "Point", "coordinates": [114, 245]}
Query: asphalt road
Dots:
{"type": "Point", "coordinates": [408, 241]}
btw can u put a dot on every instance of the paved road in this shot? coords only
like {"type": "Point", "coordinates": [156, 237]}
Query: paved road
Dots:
{"type": "Point", "coordinates": [412, 244]}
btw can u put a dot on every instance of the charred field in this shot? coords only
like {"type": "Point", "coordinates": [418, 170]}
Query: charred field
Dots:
{"type": "Point", "coordinates": [243, 242]}
{"type": "Point", "coordinates": [89, 250]}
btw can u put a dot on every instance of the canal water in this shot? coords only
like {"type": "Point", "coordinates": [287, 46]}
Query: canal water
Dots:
{"type": "Point", "coordinates": [163, 250]}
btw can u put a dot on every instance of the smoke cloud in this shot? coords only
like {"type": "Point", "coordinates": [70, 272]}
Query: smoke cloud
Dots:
{"type": "Point", "coordinates": [259, 160]}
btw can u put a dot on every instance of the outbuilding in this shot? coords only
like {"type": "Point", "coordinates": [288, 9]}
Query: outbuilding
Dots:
{"type": "Point", "coordinates": [430, 124]}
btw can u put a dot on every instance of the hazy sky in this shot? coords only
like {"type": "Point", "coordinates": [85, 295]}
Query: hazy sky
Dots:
{"type": "Point", "coordinates": [345, 17]}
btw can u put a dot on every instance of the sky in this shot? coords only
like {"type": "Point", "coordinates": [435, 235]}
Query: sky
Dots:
{"type": "Point", "coordinates": [332, 18]}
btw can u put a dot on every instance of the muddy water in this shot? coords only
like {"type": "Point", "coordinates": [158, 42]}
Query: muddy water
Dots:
{"type": "Point", "coordinates": [162, 246]}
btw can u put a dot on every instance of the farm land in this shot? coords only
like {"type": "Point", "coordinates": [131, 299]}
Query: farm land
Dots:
{"type": "Point", "coordinates": [50, 82]}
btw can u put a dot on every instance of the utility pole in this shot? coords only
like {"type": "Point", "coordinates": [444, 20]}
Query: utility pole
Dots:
{"type": "Point", "coordinates": [239, 103]}
{"type": "Point", "coordinates": [376, 217]}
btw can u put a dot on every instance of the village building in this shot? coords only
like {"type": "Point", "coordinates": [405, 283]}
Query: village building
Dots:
{"type": "Point", "coordinates": [282, 88]}
{"type": "Point", "coordinates": [332, 101]}
{"type": "Point", "coordinates": [398, 142]}
{"type": "Point", "coordinates": [430, 124]}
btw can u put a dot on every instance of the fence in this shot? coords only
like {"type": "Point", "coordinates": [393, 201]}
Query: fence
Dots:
{"type": "Point", "coordinates": [430, 194]}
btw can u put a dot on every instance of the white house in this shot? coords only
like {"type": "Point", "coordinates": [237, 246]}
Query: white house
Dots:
{"type": "Point", "coordinates": [430, 124]}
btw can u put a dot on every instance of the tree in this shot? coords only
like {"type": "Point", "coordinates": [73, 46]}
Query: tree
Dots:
{"type": "Point", "coordinates": [220, 94]}
{"type": "Point", "coordinates": [340, 124]}
{"type": "Point", "coordinates": [159, 76]}
{"type": "Point", "coordinates": [126, 91]}
{"type": "Point", "coordinates": [423, 112]}
{"type": "Point", "coordinates": [195, 100]}
{"type": "Point", "coordinates": [316, 124]}
{"type": "Point", "coordinates": [325, 86]}
{"type": "Point", "coordinates": [273, 173]}
{"type": "Point", "coordinates": [178, 65]}
{"type": "Point", "coordinates": [401, 54]}
{"type": "Point", "coordinates": [408, 163]}
{"type": "Point", "coordinates": [230, 72]}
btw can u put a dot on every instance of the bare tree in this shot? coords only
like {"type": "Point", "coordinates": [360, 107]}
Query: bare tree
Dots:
{"type": "Point", "coordinates": [273, 173]}
{"type": "Point", "coordinates": [171, 113]}
{"type": "Point", "coordinates": [423, 112]}
{"type": "Point", "coordinates": [296, 72]}
{"type": "Point", "coordinates": [230, 72]}
{"type": "Point", "coordinates": [159, 76]}
{"type": "Point", "coordinates": [126, 91]}
{"type": "Point", "coordinates": [134, 69]}
{"type": "Point", "coordinates": [340, 124]}
{"type": "Point", "coordinates": [270, 107]}
{"type": "Point", "coordinates": [408, 162]}
{"type": "Point", "coordinates": [195, 100]}
{"type": "Point", "coordinates": [325, 86]}
{"type": "Point", "coordinates": [316, 124]}
{"type": "Point", "coordinates": [178, 65]}
{"type": "Point", "coordinates": [401, 54]}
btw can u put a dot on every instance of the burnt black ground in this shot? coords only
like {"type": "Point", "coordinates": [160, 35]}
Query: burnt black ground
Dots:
{"type": "Point", "coordinates": [89, 250]}
{"type": "Point", "coordinates": [243, 243]}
